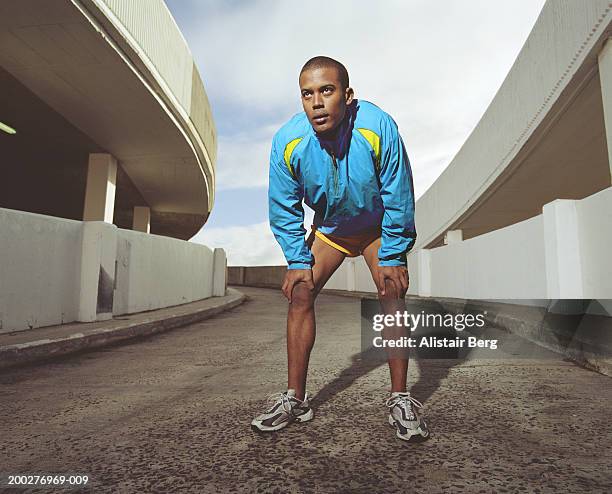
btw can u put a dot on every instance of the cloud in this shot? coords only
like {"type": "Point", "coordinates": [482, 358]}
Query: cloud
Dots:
{"type": "Point", "coordinates": [243, 158]}
{"type": "Point", "coordinates": [252, 245]}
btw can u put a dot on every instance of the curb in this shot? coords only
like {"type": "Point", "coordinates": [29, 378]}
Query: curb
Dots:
{"type": "Point", "coordinates": [25, 353]}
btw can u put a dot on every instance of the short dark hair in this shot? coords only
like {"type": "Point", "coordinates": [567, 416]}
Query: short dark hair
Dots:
{"type": "Point", "coordinates": [322, 62]}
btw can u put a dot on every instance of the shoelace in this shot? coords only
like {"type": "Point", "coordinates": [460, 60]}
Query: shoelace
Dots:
{"type": "Point", "coordinates": [406, 401]}
{"type": "Point", "coordinates": [274, 398]}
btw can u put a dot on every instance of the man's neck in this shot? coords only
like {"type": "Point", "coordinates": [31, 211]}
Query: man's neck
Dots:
{"type": "Point", "coordinates": [330, 135]}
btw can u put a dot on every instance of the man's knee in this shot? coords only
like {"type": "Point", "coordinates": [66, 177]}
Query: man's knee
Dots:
{"type": "Point", "coordinates": [302, 297]}
{"type": "Point", "coordinates": [391, 291]}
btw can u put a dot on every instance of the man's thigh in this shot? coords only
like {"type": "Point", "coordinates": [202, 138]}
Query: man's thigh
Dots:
{"type": "Point", "coordinates": [370, 254]}
{"type": "Point", "coordinates": [326, 261]}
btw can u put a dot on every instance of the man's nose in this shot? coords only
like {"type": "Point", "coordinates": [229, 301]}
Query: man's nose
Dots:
{"type": "Point", "coordinates": [317, 101]}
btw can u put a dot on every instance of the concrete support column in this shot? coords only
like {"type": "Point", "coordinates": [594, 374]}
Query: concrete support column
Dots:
{"type": "Point", "coordinates": [219, 285]}
{"type": "Point", "coordinates": [351, 281]}
{"type": "Point", "coordinates": [142, 219]}
{"type": "Point", "coordinates": [97, 279]}
{"type": "Point", "coordinates": [562, 250]}
{"type": "Point", "coordinates": [453, 236]}
{"type": "Point", "coordinates": [100, 189]}
{"type": "Point", "coordinates": [424, 261]}
{"type": "Point", "coordinates": [605, 79]}
{"type": "Point", "coordinates": [413, 272]}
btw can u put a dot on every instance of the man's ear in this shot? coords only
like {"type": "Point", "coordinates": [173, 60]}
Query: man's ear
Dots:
{"type": "Point", "coordinates": [348, 95]}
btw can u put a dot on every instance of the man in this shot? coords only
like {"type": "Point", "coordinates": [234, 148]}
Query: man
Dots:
{"type": "Point", "coordinates": [345, 158]}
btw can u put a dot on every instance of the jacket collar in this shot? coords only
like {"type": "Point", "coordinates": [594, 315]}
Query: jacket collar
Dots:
{"type": "Point", "coordinates": [339, 145]}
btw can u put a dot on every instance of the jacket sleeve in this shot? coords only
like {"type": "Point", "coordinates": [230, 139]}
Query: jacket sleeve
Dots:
{"type": "Point", "coordinates": [286, 213]}
{"type": "Point", "coordinates": [397, 193]}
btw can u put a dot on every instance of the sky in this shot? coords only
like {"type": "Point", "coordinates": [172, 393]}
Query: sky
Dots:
{"type": "Point", "coordinates": [434, 66]}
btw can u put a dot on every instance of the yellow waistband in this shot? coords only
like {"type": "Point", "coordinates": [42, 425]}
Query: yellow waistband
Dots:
{"type": "Point", "coordinates": [333, 244]}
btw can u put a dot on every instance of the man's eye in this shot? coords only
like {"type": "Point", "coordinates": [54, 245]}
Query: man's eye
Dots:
{"type": "Point", "coordinates": [327, 90]}
{"type": "Point", "coordinates": [305, 94]}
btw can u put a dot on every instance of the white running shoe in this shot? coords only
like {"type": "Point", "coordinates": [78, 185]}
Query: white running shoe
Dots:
{"type": "Point", "coordinates": [404, 417]}
{"type": "Point", "coordinates": [285, 409]}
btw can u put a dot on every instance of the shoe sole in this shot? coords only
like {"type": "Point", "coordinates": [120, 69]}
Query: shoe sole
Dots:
{"type": "Point", "coordinates": [305, 417]}
{"type": "Point", "coordinates": [422, 432]}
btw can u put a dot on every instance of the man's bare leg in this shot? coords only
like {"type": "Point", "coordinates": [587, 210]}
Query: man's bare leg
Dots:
{"type": "Point", "coordinates": [301, 328]}
{"type": "Point", "coordinates": [391, 302]}
{"type": "Point", "coordinates": [403, 408]}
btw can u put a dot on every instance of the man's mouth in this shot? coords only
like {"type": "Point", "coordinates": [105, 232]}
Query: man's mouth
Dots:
{"type": "Point", "coordinates": [320, 119]}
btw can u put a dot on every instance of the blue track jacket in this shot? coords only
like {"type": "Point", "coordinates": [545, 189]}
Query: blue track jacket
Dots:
{"type": "Point", "coordinates": [357, 181]}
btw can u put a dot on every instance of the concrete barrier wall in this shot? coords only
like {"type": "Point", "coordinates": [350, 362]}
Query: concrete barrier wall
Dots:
{"type": "Point", "coordinates": [502, 264]}
{"type": "Point", "coordinates": [263, 276]}
{"type": "Point", "coordinates": [595, 234]}
{"type": "Point", "coordinates": [340, 280]}
{"type": "Point", "coordinates": [560, 254]}
{"type": "Point", "coordinates": [272, 277]}
{"type": "Point", "coordinates": [39, 270]}
{"type": "Point", "coordinates": [55, 271]}
{"type": "Point", "coordinates": [155, 272]}
{"type": "Point", "coordinates": [352, 275]}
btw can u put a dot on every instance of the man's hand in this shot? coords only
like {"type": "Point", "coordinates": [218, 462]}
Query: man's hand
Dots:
{"type": "Point", "coordinates": [397, 274]}
{"type": "Point", "coordinates": [294, 276]}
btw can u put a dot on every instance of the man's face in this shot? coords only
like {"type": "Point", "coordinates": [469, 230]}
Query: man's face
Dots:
{"type": "Point", "coordinates": [324, 99]}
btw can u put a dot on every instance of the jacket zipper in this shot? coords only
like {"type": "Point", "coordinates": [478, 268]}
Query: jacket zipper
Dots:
{"type": "Point", "coordinates": [335, 171]}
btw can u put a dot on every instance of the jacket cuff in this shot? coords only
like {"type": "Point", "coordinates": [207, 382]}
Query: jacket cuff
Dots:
{"type": "Point", "coordinates": [392, 262]}
{"type": "Point", "coordinates": [299, 265]}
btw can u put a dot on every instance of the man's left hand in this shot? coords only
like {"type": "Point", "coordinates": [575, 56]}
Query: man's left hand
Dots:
{"type": "Point", "coordinates": [397, 274]}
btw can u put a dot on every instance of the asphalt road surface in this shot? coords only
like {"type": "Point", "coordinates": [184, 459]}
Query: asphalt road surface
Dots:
{"type": "Point", "coordinates": [171, 413]}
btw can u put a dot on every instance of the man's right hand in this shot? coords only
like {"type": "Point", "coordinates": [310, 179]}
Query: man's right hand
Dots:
{"type": "Point", "coordinates": [294, 276]}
